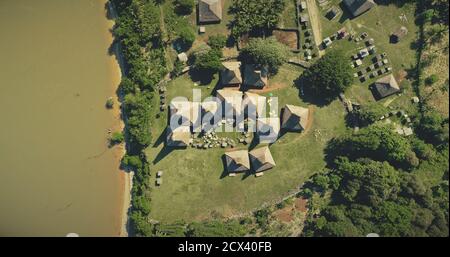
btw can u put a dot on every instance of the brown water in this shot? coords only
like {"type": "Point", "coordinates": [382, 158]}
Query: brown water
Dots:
{"type": "Point", "coordinates": [56, 173]}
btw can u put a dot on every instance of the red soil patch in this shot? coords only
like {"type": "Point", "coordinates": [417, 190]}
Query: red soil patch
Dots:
{"type": "Point", "coordinates": [285, 214]}
{"type": "Point", "coordinates": [289, 38]}
{"type": "Point", "coordinates": [301, 204]}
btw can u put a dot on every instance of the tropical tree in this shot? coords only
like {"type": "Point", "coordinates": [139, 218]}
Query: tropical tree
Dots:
{"type": "Point", "coordinates": [329, 76]}
{"type": "Point", "coordinates": [267, 52]}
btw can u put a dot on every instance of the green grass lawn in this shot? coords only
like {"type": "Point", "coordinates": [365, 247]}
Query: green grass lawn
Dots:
{"type": "Point", "coordinates": [288, 17]}
{"type": "Point", "coordinates": [378, 22]}
{"type": "Point", "coordinates": [220, 28]}
{"type": "Point", "coordinates": [194, 187]}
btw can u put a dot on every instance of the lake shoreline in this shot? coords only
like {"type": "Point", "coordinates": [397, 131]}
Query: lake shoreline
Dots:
{"type": "Point", "coordinates": [126, 177]}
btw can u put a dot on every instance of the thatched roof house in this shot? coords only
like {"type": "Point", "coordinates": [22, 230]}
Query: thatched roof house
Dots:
{"type": "Point", "coordinates": [180, 112]}
{"type": "Point", "coordinates": [232, 100]}
{"type": "Point", "coordinates": [253, 104]}
{"type": "Point", "coordinates": [211, 114]}
{"type": "Point", "coordinates": [255, 76]}
{"type": "Point", "coordinates": [178, 137]}
{"type": "Point", "coordinates": [209, 11]}
{"type": "Point", "coordinates": [261, 159]}
{"type": "Point", "coordinates": [184, 112]}
{"type": "Point", "coordinates": [385, 86]}
{"type": "Point", "coordinates": [231, 74]}
{"type": "Point", "coordinates": [295, 118]}
{"type": "Point", "coordinates": [237, 161]}
{"type": "Point", "coordinates": [358, 7]}
{"type": "Point", "coordinates": [268, 130]}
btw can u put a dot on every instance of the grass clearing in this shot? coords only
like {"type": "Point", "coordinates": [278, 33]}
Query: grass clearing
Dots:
{"type": "Point", "coordinates": [193, 187]}
{"type": "Point", "coordinates": [401, 56]}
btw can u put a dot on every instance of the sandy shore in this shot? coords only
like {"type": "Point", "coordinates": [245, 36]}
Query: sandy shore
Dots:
{"type": "Point", "coordinates": [126, 178]}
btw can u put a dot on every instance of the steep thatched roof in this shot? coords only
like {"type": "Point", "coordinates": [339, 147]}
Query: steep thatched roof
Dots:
{"type": "Point", "coordinates": [231, 98]}
{"type": "Point", "coordinates": [268, 129]}
{"type": "Point", "coordinates": [185, 112]}
{"type": "Point", "coordinates": [358, 7]}
{"type": "Point", "coordinates": [386, 86]}
{"type": "Point", "coordinates": [255, 76]}
{"type": "Point", "coordinates": [231, 74]}
{"type": "Point", "coordinates": [237, 161]}
{"type": "Point", "coordinates": [209, 11]}
{"type": "Point", "coordinates": [261, 159]}
{"type": "Point", "coordinates": [210, 106]}
{"type": "Point", "coordinates": [178, 137]}
{"type": "Point", "coordinates": [294, 118]}
{"type": "Point", "coordinates": [255, 101]}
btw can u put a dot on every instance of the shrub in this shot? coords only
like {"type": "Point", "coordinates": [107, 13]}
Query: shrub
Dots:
{"type": "Point", "coordinates": [217, 41]}
{"type": "Point", "coordinates": [209, 61]}
{"type": "Point", "coordinates": [370, 113]}
{"type": "Point", "coordinates": [186, 36]}
{"type": "Point", "coordinates": [267, 52]}
{"type": "Point", "coordinates": [109, 103]}
{"type": "Point", "coordinates": [117, 138]}
{"type": "Point", "coordinates": [430, 80]}
{"type": "Point", "coordinates": [329, 76]}
{"type": "Point", "coordinates": [184, 7]}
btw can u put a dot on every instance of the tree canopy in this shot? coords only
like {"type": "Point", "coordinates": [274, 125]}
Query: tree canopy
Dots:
{"type": "Point", "coordinates": [255, 16]}
{"type": "Point", "coordinates": [329, 76]}
{"type": "Point", "coordinates": [267, 52]}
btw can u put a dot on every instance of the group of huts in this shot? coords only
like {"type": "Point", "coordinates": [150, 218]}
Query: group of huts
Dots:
{"type": "Point", "coordinates": [294, 118]}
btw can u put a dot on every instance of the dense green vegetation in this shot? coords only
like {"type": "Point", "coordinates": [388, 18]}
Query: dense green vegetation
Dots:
{"type": "Point", "coordinates": [371, 194]}
{"type": "Point", "coordinates": [255, 16]}
{"type": "Point", "coordinates": [139, 34]}
{"type": "Point", "coordinates": [369, 113]}
{"type": "Point", "coordinates": [267, 52]}
{"type": "Point", "coordinates": [218, 41]}
{"type": "Point", "coordinates": [208, 62]}
{"type": "Point", "coordinates": [329, 76]}
{"type": "Point", "coordinates": [184, 7]}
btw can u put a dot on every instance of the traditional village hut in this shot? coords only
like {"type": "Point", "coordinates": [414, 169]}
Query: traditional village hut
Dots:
{"type": "Point", "coordinates": [209, 11]}
{"type": "Point", "coordinates": [261, 159]}
{"type": "Point", "coordinates": [231, 74]}
{"type": "Point", "coordinates": [397, 35]}
{"type": "Point", "coordinates": [358, 7]}
{"type": "Point", "coordinates": [294, 118]}
{"type": "Point", "coordinates": [180, 112]}
{"type": "Point", "coordinates": [232, 100]}
{"type": "Point", "coordinates": [237, 161]}
{"type": "Point", "coordinates": [268, 129]}
{"type": "Point", "coordinates": [385, 86]}
{"type": "Point", "coordinates": [178, 137]}
{"type": "Point", "coordinates": [253, 104]}
{"type": "Point", "coordinates": [255, 76]}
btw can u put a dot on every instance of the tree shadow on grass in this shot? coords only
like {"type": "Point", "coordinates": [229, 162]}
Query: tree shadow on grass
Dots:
{"type": "Point", "coordinates": [224, 173]}
{"type": "Point", "coordinates": [203, 78]}
{"type": "Point", "coordinates": [161, 138]}
{"type": "Point", "coordinates": [165, 151]}
{"type": "Point", "coordinates": [308, 96]}
{"type": "Point", "coordinates": [247, 174]}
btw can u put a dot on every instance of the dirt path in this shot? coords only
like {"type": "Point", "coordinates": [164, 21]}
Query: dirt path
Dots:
{"type": "Point", "coordinates": [314, 17]}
